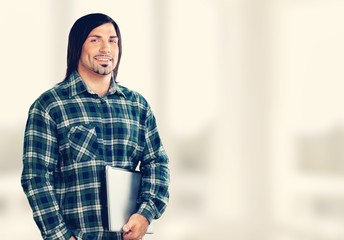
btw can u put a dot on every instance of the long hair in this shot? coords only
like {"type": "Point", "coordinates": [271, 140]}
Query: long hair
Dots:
{"type": "Point", "coordinates": [78, 34]}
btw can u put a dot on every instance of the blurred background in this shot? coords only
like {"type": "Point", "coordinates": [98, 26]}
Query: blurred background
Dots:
{"type": "Point", "coordinates": [248, 95]}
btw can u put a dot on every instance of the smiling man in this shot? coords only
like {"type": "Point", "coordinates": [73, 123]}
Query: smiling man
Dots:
{"type": "Point", "coordinates": [81, 125]}
{"type": "Point", "coordinates": [99, 56]}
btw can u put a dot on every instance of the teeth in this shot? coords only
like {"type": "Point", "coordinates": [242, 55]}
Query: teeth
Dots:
{"type": "Point", "coordinates": [103, 59]}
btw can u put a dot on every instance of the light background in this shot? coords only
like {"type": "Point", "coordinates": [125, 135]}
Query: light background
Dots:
{"type": "Point", "coordinates": [248, 95]}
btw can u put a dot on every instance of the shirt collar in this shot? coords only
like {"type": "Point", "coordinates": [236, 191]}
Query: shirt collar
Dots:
{"type": "Point", "coordinates": [114, 88]}
{"type": "Point", "coordinates": [77, 86]}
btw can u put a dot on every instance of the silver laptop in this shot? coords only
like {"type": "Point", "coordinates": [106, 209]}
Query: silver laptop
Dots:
{"type": "Point", "coordinates": [122, 189]}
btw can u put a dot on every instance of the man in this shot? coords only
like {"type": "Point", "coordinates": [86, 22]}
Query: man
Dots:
{"type": "Point", "coordinates": [81, 125]}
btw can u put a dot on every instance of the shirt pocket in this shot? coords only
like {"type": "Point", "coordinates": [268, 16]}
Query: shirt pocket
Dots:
{"type": "Point", "coordinates": [83, 143]}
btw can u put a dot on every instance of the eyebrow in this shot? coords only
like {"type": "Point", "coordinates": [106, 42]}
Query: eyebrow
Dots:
{"type": "Point", "coordinates": [98, 36]}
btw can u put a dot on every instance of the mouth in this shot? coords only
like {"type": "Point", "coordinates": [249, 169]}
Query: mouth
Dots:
{"type": "Point", "coordinates": [103, 59]}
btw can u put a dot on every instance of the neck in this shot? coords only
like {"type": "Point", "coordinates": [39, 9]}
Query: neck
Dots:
{"type": "Point", "coordinates": [97, 83]}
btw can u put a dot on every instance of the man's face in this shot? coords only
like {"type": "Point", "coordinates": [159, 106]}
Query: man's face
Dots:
{"type": "Point", "coordinates": [99, 52]}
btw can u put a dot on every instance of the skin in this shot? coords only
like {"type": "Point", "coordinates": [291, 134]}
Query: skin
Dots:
{"type": "Point", "coordinates": [99, 56]}
{"type": "Point", "coordinates": [135, 228]}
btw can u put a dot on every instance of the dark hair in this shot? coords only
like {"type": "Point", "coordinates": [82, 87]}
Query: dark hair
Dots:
{"type": "Point", "coordinates": [78, 34]}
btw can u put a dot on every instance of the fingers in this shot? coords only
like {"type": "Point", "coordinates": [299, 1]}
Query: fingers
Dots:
{"type": "Point", "coordinates": [126, 228]}
{"type": "Point", "coordinates": [129, 232]}
{"type": "Point", "coordinates": [132, 235]}
{"type": "Point", "coordinates": [135, 228]}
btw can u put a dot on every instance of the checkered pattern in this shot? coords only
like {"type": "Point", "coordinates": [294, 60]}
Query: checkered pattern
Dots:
{"type": "Point", "coordinates": [71, 134]}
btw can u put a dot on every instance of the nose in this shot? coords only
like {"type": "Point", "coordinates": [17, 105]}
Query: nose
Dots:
{"type": "Point", "coordinates": [105, 47]}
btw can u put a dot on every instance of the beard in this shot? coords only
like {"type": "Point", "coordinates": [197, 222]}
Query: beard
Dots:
{"type": "Point", "coordinates": [97, 67]}
{"type": "Point", "coordinates": [102, 69]}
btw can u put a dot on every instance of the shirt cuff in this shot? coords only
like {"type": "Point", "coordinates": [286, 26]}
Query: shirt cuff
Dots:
{"type": "Point", "coordinates": [60, 233]}
{"type": "Point", "coordinates": [147, 211]}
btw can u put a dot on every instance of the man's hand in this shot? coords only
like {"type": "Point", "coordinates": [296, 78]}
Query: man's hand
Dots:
{"type": "Point", "coordinates": [135, 228]}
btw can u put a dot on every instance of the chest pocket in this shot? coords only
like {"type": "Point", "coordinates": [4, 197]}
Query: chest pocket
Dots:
{"type": "Point", "coordinates": [83, 143]}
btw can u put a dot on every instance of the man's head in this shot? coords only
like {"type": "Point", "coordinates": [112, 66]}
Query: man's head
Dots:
{"type": "Point", "coordinates": [94, 44]}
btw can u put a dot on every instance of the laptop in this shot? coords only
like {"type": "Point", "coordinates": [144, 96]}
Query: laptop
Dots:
{"type": "Point", "coordinates": [122, 190]}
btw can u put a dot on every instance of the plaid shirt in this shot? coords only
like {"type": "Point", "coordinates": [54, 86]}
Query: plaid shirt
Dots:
{"type": "Point", "coordinates": [71, 134]}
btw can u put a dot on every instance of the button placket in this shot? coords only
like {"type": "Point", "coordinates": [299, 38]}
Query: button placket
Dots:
{"type": "Point", "coordinates": [107, 129]}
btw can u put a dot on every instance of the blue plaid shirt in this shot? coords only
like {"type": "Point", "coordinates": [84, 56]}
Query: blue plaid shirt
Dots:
{"type": "Point", "coordinates": [71, 134]}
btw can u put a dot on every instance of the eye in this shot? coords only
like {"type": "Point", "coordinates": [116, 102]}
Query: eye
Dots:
{"type": "Point", "coordinates": [93, 40]}
{"type": "Point", "coordinates": [113, 41]}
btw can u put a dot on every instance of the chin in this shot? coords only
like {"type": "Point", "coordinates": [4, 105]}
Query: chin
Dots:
{"type": "Point", "coordinates": [103, 73]}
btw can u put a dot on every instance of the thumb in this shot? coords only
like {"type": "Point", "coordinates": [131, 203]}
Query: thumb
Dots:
{"type": "Point", "coordinates": [126, 228]}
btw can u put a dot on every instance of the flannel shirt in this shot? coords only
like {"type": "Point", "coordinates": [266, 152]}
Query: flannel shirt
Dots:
{"type": "Point", "coordinates": [71, 134]}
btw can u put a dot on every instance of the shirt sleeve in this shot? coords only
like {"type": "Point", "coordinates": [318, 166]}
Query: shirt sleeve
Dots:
{"type": "Point", "coordinates": [154, 194]}
{"type": "Point", "coordinates": [40, 158]}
